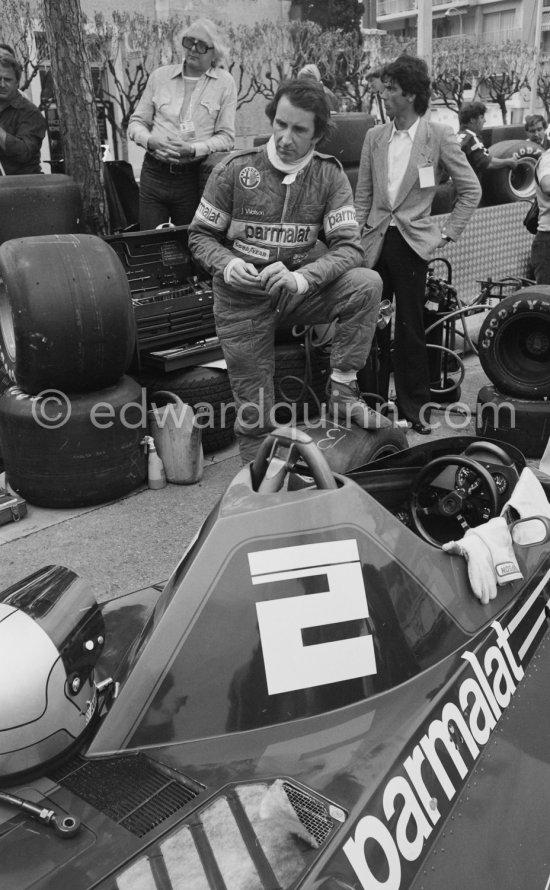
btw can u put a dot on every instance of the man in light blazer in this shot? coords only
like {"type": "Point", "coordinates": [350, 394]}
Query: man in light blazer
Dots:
{"type": "Point", "coordinates": [401, 164]}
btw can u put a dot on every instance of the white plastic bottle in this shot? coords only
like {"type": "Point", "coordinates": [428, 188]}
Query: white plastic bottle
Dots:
{"type": "Point", "coordinates": [156, 477]}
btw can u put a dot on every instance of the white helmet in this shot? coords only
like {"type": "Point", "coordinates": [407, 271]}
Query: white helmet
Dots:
{"type": "Point", "coordinates": [51, 635]}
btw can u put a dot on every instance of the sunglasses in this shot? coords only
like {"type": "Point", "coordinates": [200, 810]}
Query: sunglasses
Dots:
{"type": "Point", "coordinates": [199, 45]}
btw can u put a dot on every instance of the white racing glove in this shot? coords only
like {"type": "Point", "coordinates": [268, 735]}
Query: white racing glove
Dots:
{"type": "Point", "coordinates": [528, 497]}
{"type": "Point", "coordinates": [496, 535]}
{"type": "Point", "coordinates": [480, 565]}
{"type": "Point", "coordinates": [490, 556]}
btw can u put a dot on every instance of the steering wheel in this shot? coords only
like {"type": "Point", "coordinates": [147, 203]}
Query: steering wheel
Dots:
{"type": "Point", "coordinates": [489, 451]}
{"type": "Point", "coordinates": [452, 500]}
{"type": "Point", "coordinates": [278, 454]}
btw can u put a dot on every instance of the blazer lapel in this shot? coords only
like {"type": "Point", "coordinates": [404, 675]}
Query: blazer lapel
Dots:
{"type": "Point", "coordinates": [380, 159]}
{"type": "Point", "coordinates": [421, 154]}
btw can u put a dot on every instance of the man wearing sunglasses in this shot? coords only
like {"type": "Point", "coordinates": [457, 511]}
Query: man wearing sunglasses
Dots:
{"type": "Point", "coordinates": [186, 112]}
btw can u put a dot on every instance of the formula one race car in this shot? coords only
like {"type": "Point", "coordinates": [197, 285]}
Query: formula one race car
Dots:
{"type": "Point", "coordinates": [314, 699]}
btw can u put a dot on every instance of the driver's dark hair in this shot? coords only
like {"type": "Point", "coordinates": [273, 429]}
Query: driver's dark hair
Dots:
{"type": "Point", "coordinates": [306, 94]}
{"type": "Point", "coordinates": [8, 61]}
{"type": "Point", "coordinates": [533, 119]}
{"type": "Point", "coordinates": [470, 110]}
{"type": "Point", "coordinates": [412, 75]}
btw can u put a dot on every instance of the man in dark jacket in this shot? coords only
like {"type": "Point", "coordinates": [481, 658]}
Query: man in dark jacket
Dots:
{"type": "Point", "coordinates": [471, 118]}
{"type": "Point", "coordinates": [22, 126]}
{"type": "Point", "coordinates": [256, 231]}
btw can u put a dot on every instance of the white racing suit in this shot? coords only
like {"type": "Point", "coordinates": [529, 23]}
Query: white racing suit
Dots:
{"type": "Point", "coordinates": [253, 211]}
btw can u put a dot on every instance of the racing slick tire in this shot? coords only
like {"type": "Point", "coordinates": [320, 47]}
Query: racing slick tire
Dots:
{"type": "Point", "coordinates": [74, 450]}
{"type": "Point", "coordinates": [348, 448]}
{"type": "Point", "coordinates": [207, 389]}
{"type": "Point", "coordinates": [520, 422]}
{"type": "Point", "coordinates": [299, 391]}
{"type": "Point", "coordinates": [504, 186]}
{"type": "Point", "coordinates": [514, 343]}
{"type": "Point", "coordinates": [66, 315]}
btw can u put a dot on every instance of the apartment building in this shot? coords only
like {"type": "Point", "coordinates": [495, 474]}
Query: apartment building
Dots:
{"type": "Point", "coordinates": [489, 20]}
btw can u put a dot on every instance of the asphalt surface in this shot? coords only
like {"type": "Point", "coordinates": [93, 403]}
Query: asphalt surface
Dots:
{"type": "Point", "coordinates": [137, 541]}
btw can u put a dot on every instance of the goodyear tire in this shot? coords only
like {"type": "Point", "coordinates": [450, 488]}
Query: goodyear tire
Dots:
{"type": "Point", "coordinates": [296, 401]}
{"type": "Point", "coordinates": [206, 390]}
{"type": "Point", "coordinates": [74, 451]}
{"type": "Point", "coordinates": [524, 423]}
{"type": "Point", "coordinates": [66, 314]}
{"type": "Point", "coordinates": [504, 186]}
{"type": "Point", "coordinates": [514, 343]}
{"type": "Point", "coordinates": [348, 448]}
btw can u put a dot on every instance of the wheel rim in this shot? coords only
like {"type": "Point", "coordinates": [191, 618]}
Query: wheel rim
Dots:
{"type": "Point", "coordinates": [522, 179]}
{"type": "Point", "coordinates": [523, 348]}
{"type": "Point", "coordinates": [7, 331]}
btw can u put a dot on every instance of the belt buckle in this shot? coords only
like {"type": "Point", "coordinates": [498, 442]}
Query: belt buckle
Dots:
{"type": "Point", "coordinates": [178, 169]}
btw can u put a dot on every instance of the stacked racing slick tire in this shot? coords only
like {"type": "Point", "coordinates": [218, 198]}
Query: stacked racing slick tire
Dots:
{"type": "Point", "coordinates": [66, 316]}
{"type": "Point", "coordinates": [69, 436]}
{"type": "Point", "coordinates": [75, 450]}
{"type": "Point", "coordinates": [514, 352]}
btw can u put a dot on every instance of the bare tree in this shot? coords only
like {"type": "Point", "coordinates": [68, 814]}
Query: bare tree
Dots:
{"type": "Point", "coordinates": [454, 69]}
{"type": "Point", "coordinates": [128, 48]}
{"type": "Point", "coordinates": [22, 23]}
{"type": "Point", "coordinates": [543, 84]}
{"type": "Point", "coordinates": [72, 77]}
{"type": "Point", "coordinates": [262, 55]}
{"type": "Point", "coordinates": [504, 69]}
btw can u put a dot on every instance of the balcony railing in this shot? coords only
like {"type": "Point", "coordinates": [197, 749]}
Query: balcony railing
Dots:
{"type": "Point", "coordinates": [487, 36]}
{"type": "Point", "coordinates": [393, 7]}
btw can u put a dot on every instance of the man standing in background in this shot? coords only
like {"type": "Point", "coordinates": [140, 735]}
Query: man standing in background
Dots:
{"type": "Point", "coordinates": [401, 164]}
{"type": "Point", "coordinates": [22, 126]}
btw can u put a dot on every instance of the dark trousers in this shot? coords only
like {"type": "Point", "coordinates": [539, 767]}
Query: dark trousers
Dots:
{"type": "Point", "coordinates": [403, 275]}
{"type": "Point", "coordinates": [246, 323]}
{"type": "Point", "coordinates": [164, 195]}
{"type": "Point", "coordinates": [540, 257]}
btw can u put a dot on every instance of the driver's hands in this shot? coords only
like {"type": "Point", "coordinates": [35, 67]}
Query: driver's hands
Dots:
{"type": "Point", "coordinates": [277, 280]}
{"type": "Point", "coordinates": [490, 556]}
{"type": "Point", "coordinates": [496, 535]}
{"type": "Point", "coordinates": [239, 273]}
{"type": "Point", "coordinates": [480, 565]}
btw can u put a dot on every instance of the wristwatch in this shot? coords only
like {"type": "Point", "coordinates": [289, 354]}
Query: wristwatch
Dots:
{"type": "Point", "coordinates": [446, 237]}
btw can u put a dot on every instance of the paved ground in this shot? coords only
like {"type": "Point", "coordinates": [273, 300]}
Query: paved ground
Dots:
{"type": "Point", "coordinates": [137, 540]}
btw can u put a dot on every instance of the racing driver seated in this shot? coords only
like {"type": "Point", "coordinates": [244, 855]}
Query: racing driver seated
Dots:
{"type": "Point", "coordinates": [255, 231]}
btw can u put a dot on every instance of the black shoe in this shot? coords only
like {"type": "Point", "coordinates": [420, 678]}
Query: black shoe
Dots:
{"type": "Point", "coordinates": [418, 427]}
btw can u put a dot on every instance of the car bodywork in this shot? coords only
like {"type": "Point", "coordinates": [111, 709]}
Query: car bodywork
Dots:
{"type": "Point", "coordinates": [314, 699]}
